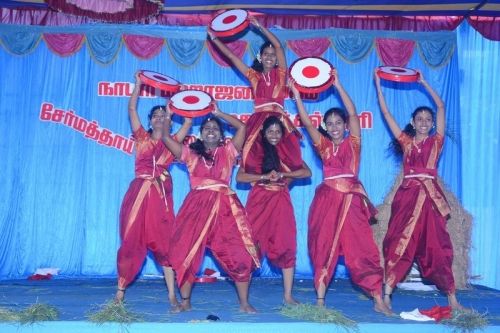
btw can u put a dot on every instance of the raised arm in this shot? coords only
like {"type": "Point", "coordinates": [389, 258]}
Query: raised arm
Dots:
{"type": "Point", "coordinates": [393, 126]}
{"type": "Point", "coordinates": [440, 113]}
{"type": "Point", "coordinates": [304, 117]}
{"type": "Point", "coordinates": [353, 120]}
{"type": "Point", "coordinates": [280, 53]}
{"type": "Point", "coordinates": [133, 116]}
{"type": "Point", "coordinates": [184, 130]}
{"type": "Point", "coordinates": [240, 65]}
{"type": "Point", "coordinates": [239, 136]}
{"type": "Point", "coordinates": [174, 146]}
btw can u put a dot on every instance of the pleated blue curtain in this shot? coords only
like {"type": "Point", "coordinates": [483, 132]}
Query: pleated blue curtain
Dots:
{"type": "Point", "coordinates": [480, 121]}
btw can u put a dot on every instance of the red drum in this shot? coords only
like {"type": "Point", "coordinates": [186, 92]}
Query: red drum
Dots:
{"type": "Point", "coordinates": [311, 74]}
{"type": "Point", "coordinates": [397, 74]}
{"type": "Point", "coordinates": [191, 103]}
{"type": "Point", "coordinates": [160, 81]}
{"type": "Point", "coordinates": [230, 22]}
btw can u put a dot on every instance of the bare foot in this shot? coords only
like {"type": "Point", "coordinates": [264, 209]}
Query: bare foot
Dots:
{"type": "Point", "coordinates": [380, 307]}
{"type": "Point", "coordinates": [453, 302]}
{"type": "Point", "coordinates": [320, 302]}
{"type": "Point", "coordinates": [185, 304]}
{"type": "Point", "coordinates": [289, 300]}
{"type": "Point", "coordinates": [119, 296]}
{"type": "Point", "coordinates": [388, 301]}
{"type": "Point", "coordinates": [175, 306]}
{"type": "Point", "coordinates": [247, 308]}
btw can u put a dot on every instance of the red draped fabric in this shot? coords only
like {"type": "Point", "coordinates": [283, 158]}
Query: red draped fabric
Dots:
{"type": "Point", "coordinates": [394, 52]}
{"type": "Point", "coordinates": [64, 44]}
{"type": "Point", "coordinates": [101, 11]}
{"type": "Point", "coordinates": [237, 47]}
{"type": "Point", "coordinates": [314, 47]}
{"type": "Point", "coordinates": [143, 46]}
{"type": "Point", "coordinates": [488, 27]}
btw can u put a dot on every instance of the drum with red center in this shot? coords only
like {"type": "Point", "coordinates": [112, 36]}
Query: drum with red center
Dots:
{"type": "Point", "coordinates": [191, 103]}
{"type": "Point", "coordinates": [397, 74]}
{"type": "Point", "coordinates": [229, 23]}
{"type": "Point", "coordinates": [160, 81]}
{"type": "Point", "coordinates": [311, 74]}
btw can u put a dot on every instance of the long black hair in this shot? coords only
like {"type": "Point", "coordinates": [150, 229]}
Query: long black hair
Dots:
{"type": "Point", "coordinates": [151, 113]}
{"type": "Point", "coordinates": [336, 111]}
{"type": "Point", "coordinates": [271, 161]}
{"type": "Point", "coordinates": [257, 65]}
{"type": "Point", "coordinates": [409, 130]}
{"type": "Point", "coordinates": [198, 147]}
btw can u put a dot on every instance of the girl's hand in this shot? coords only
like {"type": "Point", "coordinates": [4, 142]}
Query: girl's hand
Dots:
{"type": "Point", "coordinates": [421, 78]}
{"type": "Point", "coordinates": [293, 87]}
{"type": "Point", "coordinates": [335, 75]}
{"type": "Point", "coordinates": [275, 176]}
{"type": "Point", "coordinates": [168, 111]}
{"type": "Point", "coordinates": [138, 80]}
{"type": "Point", "coordinates": [216, 111]}
{"type": "Point", "coordinates": [376, 78]}
{"type": "Point", "coordinates": [253, 20]}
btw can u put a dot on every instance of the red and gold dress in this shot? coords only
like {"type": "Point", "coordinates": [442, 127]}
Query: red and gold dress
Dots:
{"type": "Point", "coordinates": [147, 213]}
{"type": "Point", "coordinates": [417, 227]}
{"type": "Point", "coordinates": [212, 217]}
{"type": "Point", "coordinates": [270, 213]}
{"type": "Point", "coordinates": [269, 91]}
{"type": "Point", "coordinates": [339, 219]}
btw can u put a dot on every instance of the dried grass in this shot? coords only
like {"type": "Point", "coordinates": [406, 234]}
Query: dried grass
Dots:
{"type": "Point", "coordinates": [8, 315]}
{"type": "Point", "coordinates": [38, 312]}
{"type": "Point", "coordinates": [466, 321]}
{"type": "Point", "coordinates": [309, 312]}
{"type": "Point", "coordinates": [114, 312]}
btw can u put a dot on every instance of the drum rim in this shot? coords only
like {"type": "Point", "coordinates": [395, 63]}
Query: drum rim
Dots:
{"type": "Point", "coordinates": [160, 85]}
{"type": "Point", "coordinates": [315, 89]}
{"type": "Point", "coordinates": [192, 113]}
{"type": "Point", "coordinates": [233, 31]}
{"type": "Point", "coordinates": [397, 77]}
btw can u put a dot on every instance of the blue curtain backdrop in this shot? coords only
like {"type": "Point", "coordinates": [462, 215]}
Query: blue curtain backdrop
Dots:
{"type": "Point", "coordinates": [480, 112]}
{"type": "Point", "coordinates": [63, 188]}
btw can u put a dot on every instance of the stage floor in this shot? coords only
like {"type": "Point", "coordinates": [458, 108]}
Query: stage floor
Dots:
{"type": "Point", "coordinates": [77, 298]}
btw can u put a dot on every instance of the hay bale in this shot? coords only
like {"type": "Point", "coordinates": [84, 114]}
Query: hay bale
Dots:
{"type": "Point", "coordinates": [459, 227]}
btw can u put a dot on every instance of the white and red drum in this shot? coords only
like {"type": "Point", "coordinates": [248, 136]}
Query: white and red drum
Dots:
{"type": "Point", "coordinates": [229, 23]}
{"type": "Point", "coordinates": [311, 74]}
{"type": "Point", "coordinates": [397, 74]}
{"type": "Point", "coordinates": [191, 103]}
{"type": "Point", "coordinates": [160, 81]}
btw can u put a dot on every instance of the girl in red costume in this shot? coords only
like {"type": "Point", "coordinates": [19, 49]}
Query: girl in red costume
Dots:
{"type": "Point", "coordinates": [212, 216]}
{"type": "Point", "coordinates": [417, 227]}
{"type": "Point", "coordinates": [340, 211]}
{"type": "Point", "coordinates": [147, 211]}
{"type": "Point", "coordinates": [267, 77]}
{"type": "Point", "coordinates": [269, 206]}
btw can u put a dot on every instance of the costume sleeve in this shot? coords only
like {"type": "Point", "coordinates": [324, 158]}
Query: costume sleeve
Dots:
{"type": "Point", "coordinates": [356, 143]}
{"type": "Point", "coordinates": [405, 141]}
{"type": "Point", "coordinates": [186, 155]}
{"type": "Point", "coordinates": [322, 147]}
{"type": "Point", "coordinates": [140, 135]}
{"type": "Point", "coordinates": [253, 76]}
{"type": "Point", "coordinates": [232, 152]}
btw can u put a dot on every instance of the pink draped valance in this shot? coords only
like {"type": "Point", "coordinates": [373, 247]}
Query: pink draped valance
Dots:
{"type": "Point", "coordinates": [394, 52]}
